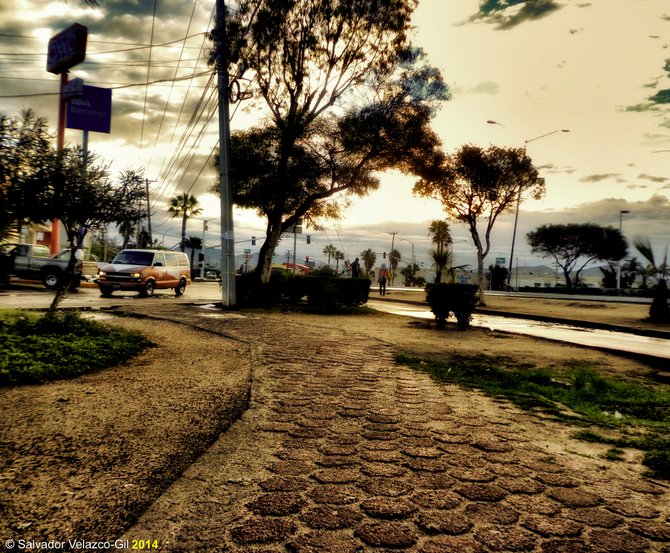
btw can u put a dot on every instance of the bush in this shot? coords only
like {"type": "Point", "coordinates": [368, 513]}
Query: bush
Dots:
{"type": "Point", "coordinates": [458, 299]}
{"type": "Point", "coordinates": [323, 294]}
{"type": "Point", "coordinates": [59, 345]}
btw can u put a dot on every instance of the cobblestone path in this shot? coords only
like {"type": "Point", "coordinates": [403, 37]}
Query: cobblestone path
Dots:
{"type": "Point", "coordinates": [342, 450]}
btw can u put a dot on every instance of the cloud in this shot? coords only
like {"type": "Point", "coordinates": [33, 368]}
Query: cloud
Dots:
{"type": "Point", "coordinates": [652, 178]}
{"type": "Point", "coordinates": [485, 87]}
{"type": "Point", "coordinates": [598, 178]}
{"type": "Point", "coordinates": [507, 14]}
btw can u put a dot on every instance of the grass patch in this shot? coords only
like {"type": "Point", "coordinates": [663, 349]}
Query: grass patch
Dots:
{"type": "Point", "coordinates": [36, 348]}
{"type": "Point", "coordinates": [576, 394]}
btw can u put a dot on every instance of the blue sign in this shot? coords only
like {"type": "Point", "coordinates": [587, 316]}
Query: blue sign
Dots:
{"type": "Point", "coordinates": [92, 111]}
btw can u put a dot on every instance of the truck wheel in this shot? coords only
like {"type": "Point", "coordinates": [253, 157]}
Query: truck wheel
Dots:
{"type": "Point", "coordinates": [106, 291]}
{"type": "Point", "coordinates": [51, 278]}
{"type": "Point", "coordinates": [180, 288]}
{"type": "Point", "coordinates": [149, 287]}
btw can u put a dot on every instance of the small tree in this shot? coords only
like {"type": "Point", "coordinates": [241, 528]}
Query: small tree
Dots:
{"type": "Point", "coordinates": [478, 185]}
{"type": "Point", "coordinates": [185, 206]}
{"type": "Point", "coordinates": [574, 246]}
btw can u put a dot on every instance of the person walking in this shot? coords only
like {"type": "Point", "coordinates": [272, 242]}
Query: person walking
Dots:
{"type": "Point", "coordinates": [383, 275]}
{"type": "Point", "coordinates": [355, 268]}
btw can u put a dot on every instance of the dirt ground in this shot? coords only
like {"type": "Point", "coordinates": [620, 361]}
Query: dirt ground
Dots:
{"type": "Point", "coordinates": [87, 457]}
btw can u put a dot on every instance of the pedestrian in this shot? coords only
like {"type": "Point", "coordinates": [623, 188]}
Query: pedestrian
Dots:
{"type": "Point", "coordinates": [383, 275]}
{"type": "Point", "coordinates": [355, 268]}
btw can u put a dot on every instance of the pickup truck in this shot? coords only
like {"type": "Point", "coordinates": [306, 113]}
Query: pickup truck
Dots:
{"type": "Point", "coordinates": [33, 262]}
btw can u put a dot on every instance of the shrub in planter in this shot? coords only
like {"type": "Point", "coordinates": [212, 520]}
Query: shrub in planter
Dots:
{"type": "Point", "coordinates": [457, 299]}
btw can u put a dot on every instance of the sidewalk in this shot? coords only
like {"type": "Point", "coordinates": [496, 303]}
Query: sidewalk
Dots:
{"type": "Point", "coordinates": [343, 450]}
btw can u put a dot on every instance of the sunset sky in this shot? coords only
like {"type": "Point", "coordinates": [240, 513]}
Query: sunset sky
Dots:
{"type": "Point", "coordinates": [600, 69]}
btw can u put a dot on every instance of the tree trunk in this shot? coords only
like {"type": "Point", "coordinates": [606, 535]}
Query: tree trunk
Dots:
{"type": "Point", "coordinates": [568, 280]}
{"type": "Point", "coordinates": [480, 276]}
{"type": "Point", "coordinates": [267, 250]}
{"type": "Point", "coordinates": [182, 245]}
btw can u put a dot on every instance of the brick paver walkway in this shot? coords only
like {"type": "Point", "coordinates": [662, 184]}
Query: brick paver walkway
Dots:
{"type": "Point", "coordinates": [341, 450]}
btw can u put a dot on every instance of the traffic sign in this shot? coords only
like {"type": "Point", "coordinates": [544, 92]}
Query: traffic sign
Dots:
{"type": "Point", "coordinates": [67, 48]}
{"type": "Point", "coordinates": [500, 261]}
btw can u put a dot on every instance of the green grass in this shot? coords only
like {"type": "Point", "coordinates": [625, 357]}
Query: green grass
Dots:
{"type": "Point", "coordinates": [638, 413]}
{"type": "Point", "coordinates": [36, 348]}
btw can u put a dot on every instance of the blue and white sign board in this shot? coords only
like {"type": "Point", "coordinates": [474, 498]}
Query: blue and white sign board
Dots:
{"type": "Point", "coordinates": [92, 111]}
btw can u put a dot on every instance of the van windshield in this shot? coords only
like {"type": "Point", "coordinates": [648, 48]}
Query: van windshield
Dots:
{"type": "Point", "coordinates": [134, 258]}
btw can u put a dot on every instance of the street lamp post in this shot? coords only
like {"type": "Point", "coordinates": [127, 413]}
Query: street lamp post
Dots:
{"type": "Point", "coordinates": [518, 198]}
{"type": "Point", "coordinates": [618, 263]}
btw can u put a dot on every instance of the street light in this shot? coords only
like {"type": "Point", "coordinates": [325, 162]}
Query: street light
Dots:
{"type": "Point", "coordinates": [518, 198]}
{"type": "Point", "coordinates": [618, 263]}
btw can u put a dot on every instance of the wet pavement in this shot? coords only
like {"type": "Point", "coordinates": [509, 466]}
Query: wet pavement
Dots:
{"type": "Point", "coordinates": [342, 450]}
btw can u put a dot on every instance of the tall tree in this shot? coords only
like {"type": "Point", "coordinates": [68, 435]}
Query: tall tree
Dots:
{"type": "Point", "coordinates": [369, 257]}
{"type": "Point", "coordinates": [25, 160]}
{"type": "Point", "coordinates": [574, 246]}
{"type": "Point", "coordinates": [329, 250]}
{"type": "Point", "coordinates": [442, 257]}
{"type": "Point", "coordinates": [346, 96]}
{"type": "Point", "coordinates": [339, 256]}
{"type": "Point", "coordinates": [394, 258]}
{"type": "Point", "coordinates": [477, 185]}
{"type": "Point", "coordinates": [185, 206]}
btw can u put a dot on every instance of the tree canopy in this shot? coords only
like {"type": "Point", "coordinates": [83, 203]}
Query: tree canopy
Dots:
{"type": "Point", "coordinates": [574, 246]}
{"type": "Point", "coordinates": [346, 97]}
{"type": "Point", "coordinates": [477, 185]}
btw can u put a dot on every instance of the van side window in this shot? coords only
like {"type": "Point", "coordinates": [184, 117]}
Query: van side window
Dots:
{"type": "Point", "coordinates": [183, 260]}
{"type": "Point", "coordinates": [171, 259]}
{"type": "Point", "coordinates": [159, 260]}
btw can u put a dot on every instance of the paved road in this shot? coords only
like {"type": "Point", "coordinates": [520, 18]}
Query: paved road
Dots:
{"type": "Point", "coordinates": [342, 450]}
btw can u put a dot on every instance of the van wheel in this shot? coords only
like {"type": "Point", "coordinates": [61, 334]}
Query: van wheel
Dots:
{"type": "Point", "coordinates": [51, 278]}
{"type": "Point", "coordinates": [106, 291]}
{"type": "Point", "coordinates": [149, 287]}
{"type": "Point", "coordinates": [180, 288]}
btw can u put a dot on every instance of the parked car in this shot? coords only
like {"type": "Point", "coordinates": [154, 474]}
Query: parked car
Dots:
{"type": "Point", "coordinates": [34, 262]}
{"type": "Point", "coordinates": [89, 264]}
{"type": "Point", "coordinates": [145, 271]}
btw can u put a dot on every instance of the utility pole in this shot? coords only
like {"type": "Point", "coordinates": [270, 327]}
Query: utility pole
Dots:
{"type": "Point", "coordinates": [151, 238]}
{"type": "Point", "coordinates": [227, 230]}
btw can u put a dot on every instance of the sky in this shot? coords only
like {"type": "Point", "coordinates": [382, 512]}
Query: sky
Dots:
{"type": "Point", "coordinates": [599, 69]}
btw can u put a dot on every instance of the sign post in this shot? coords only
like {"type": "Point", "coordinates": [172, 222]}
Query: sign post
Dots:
{"type": "Point", "coordinates": [65, 50]}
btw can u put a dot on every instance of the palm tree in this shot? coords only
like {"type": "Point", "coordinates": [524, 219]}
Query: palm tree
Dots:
{"type": "Point", "coordinates": [338, 255]}
{"type": "Point", "coordinates": [442, 255]}
{"type": "Point", "coordinates": [369, 257]}
{"type": "Point", "coordinates": [659, 312]}
{"type": "Point", "coordinates": [329, 250]}
{"type": "Point", "coordinates": [195, 243]}
{"type": "Point", "coordinates": [185, 206]}
{"type": "Point", "coordinates": [441, 235]}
